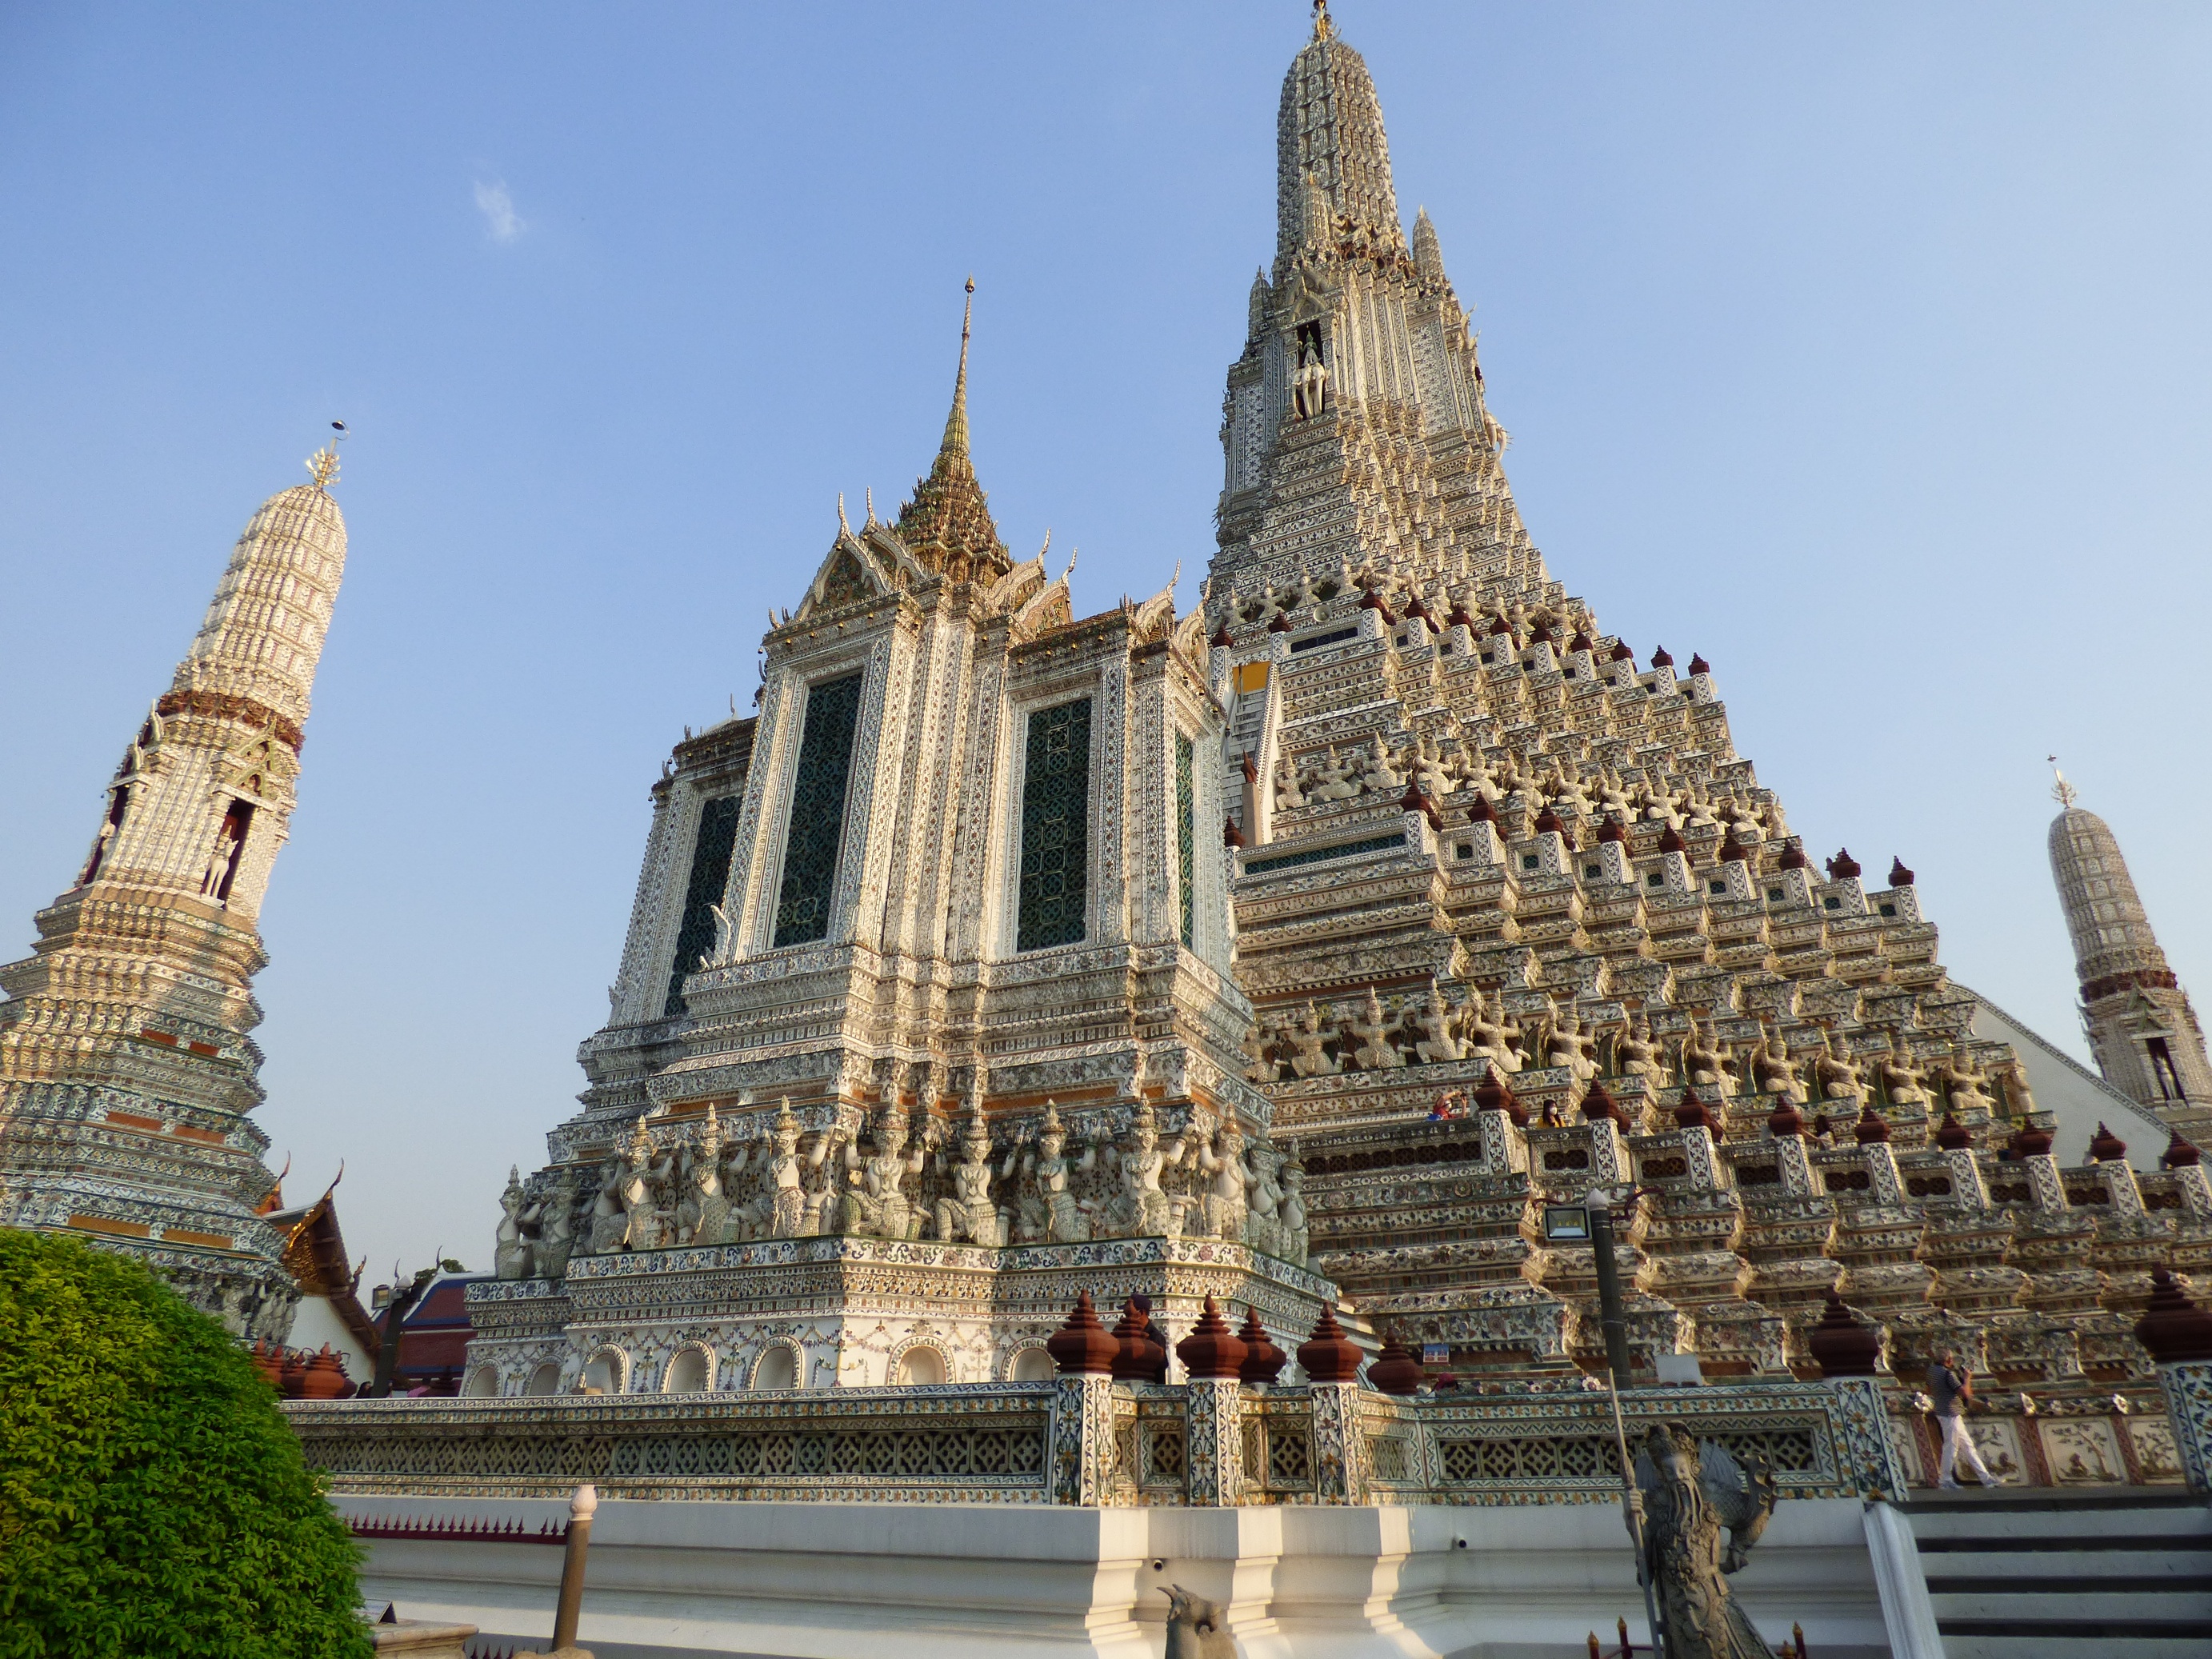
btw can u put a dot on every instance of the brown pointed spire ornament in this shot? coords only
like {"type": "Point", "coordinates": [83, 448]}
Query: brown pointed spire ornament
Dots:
{"type": "Point", "coordinates": [1691, 1113]}
{"type": "Point", "coordinates": [1871, 1125]}
{"type": "Point", "coordinates": [1951, 1135]}
{"type": "Point", "coordinates": [1328, 1355]}
{"type": "Point", "coordinates": [1082, 1346]}
{"type": "Point", "coordinates": [1211, 1349]}
{"type": "Point", "coordinates": [2105, 1147]}
{"type": "Point", "coordinates": [1840, 1345]}
{"type": "Point", "coordinates": [1491, 1095]}
{"type": "Point", "coordinates": [1393, 1370]}
{"type": "Point", "coordinates": [2173, 1329]}
{"type": "Point", "coordinates": [1263, 1360]}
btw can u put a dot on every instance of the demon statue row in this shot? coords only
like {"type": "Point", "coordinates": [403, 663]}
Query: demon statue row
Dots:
{"type": "Point", "coordinates": [1025, 1185]}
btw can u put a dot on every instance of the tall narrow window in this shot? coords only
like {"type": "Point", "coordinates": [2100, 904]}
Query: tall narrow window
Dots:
{"type": "Point", "coordinates": [2162, 1071]}
{"type": "Point", "coordinates": [1055, 828]}
{"type": "Point", "coordinates": [710, 874]}
{"type": "Point", "coordinates": [109, 827]}
{"type": "Point", "coordinates": [1187, 839]}
{"type": "Point", "coordinates": [229, 846]}
{"type": "Point", "coordinates": [815, 833]}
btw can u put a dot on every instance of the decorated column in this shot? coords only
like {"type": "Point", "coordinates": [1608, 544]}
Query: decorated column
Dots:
{"type": "Point", "coordinates": [1212, 1355]}
{"type": "Point", "coordinates": [1331, 1362]}
{"type": "Point", "coordinates": [1082, 1406]}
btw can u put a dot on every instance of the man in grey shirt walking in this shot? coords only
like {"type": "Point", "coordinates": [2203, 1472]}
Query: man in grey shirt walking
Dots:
{"type": "Point", "coordinates": [1952, 1387]}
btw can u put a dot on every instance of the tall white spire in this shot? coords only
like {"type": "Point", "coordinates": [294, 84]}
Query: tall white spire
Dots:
{"type": "Point", "coordinates": [125, 1070]}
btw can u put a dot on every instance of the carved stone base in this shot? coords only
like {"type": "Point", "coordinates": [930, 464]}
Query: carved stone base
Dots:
{"type": "Point", "coordinates": [849, 1312]}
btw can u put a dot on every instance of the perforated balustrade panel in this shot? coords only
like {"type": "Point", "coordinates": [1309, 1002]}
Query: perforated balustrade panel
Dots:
{"type": "Point", "coordinates": [815, 1452]}
{"type": "Point", "coordinates": [1186, 837]}
{"type": "Point", "coordinates": [710, 870]}
{"type": "Point", "coordinates": [816, 829]}
{"type": "Point", "coordinates": [1055, 828]}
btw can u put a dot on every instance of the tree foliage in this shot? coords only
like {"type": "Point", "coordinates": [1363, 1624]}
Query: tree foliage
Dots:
{"type": "Point", "coordinates": [153, 1501]}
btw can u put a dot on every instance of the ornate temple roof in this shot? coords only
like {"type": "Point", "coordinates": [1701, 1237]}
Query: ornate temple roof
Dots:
{"type": "Point", "coordinates": [948, 519]}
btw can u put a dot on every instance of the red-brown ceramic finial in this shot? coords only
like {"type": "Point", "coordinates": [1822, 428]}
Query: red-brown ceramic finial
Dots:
{"type": "Point", "coordinates": [1082, 1346]}
{"type": "Point", "coordinates": [1328, 1355]}
{"type": "Point", "coordinates": [1211, 1349]}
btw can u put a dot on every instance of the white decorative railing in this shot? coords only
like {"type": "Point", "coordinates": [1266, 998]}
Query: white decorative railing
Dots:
{"type": "Point", "coordinates": [1087, 1440]}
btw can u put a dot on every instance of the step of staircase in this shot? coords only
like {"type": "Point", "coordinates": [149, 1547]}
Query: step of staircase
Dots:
{"type": "Point", "coordinates": [2017, 1573]}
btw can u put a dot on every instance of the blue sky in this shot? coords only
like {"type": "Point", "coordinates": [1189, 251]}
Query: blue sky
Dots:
{"type": "Point", "coordinates": [1861, 348]}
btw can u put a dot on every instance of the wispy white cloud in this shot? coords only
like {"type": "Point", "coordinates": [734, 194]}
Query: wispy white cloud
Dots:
{"type": "Point", "coordinates": [502, 222]}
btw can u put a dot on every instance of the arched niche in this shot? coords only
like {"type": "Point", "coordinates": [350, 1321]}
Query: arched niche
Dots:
{"type": "Point", "coordinates": [691, 1370]}
{"type": "Point", "coordinates": [919, 1366]}
{"type": "Point", "coordinates": [777, 1368]}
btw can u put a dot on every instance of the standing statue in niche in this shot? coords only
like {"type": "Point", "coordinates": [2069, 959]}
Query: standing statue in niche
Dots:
{"type": "Point", "coordinates": [1049, 1211]}
{"type": "Point", "coordinates": [778, 1207]}
{"type": "Point", "coordinates": [969, 1212]}
{"type": "Point", "coordinates": [702, 1215]}
{"type": "Point", "coordinates": [1438, 1044]}
{"type": "Point", "coordinates": [1310, 1043]}
{"type": "Point", "coordinates": [1295, 1237]}
{"type": "Point", "coordinates": [1140, 1209]}
{"type": "Point", "coordinates": [1686, 1494]}
{"type": "Point", "coordinates": [1708, 1061]}
{"type": "Point", "coordinates": [1223, 1206]}
{"type": "Point", "coordinates": [1634, 1053]}
{"type": "Point", "coordinates": [1373, 1050]}
{"type": "Point", "coordinates": [1965, 1085]}
{"type": "Point", "coordinates": [1310, 385]}
{"type": "Point", "coordinates": [1836, 1076]}
{"type": "Point", "coordinates": [1485, 1038]}
{"type": "Point", "coordinates": [877, 1206]}
{"type": "Point", "coordinates": [511, 1251]}
{"type": "Point", "coordinates": [1903, 1082]}
{"type": "Point", "coordinates": [610, 1211]}
{"type": "Point", "coordinates": [1263, 1181]}
{"type": "Point", "coordinates": [557, 1228]}
{"type": "Point", "coordinates": [649, 1224]}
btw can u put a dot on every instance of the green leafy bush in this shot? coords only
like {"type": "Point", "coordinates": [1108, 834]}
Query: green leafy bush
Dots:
{"type": "Point", "coordinates": [153, 1502]}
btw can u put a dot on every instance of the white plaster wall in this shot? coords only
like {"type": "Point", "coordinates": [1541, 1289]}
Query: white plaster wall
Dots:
{"type": "Point", "coordinates": [316, 1322]}
{"type": "Point", "coordinates": [950, 1581]}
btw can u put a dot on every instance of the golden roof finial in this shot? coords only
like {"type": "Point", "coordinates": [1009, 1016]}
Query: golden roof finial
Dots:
{"type": "Point", "coordinates": [2061, 791]}
{"type": "Point", "coordinates": [1323, 29]}
{"type": "Point", "coordinates": [324, 463]}
{"type": "Point", "coordinates": [956, 423]}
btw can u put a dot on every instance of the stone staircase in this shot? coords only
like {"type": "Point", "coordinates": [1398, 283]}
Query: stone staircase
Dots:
{"type": "Point", "coordinates": [2017, 1573]}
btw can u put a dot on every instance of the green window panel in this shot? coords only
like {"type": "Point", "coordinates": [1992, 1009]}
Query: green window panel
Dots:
{"type": "Point", "coordinates": [1187, 834]}
{"type": "Point", "coordinates": [816, 830]}
{"type": "Point", "coordinates": [710, 874]}
{"type": "Point", "coordinates": [1055, 828]}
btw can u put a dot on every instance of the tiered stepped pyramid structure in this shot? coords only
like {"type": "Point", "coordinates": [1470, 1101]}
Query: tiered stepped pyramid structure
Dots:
{"type": "Point", "coordinates": [1490, 856]}
{"type": "Point", "coordinates": [126, 1070]}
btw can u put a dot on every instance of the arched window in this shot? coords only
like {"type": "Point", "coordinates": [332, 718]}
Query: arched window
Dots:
{"type": "Point", "coordinates": [605, 1372]}
{"type": "Point", "coordinates": [546, 1379]}
{"type": "Point", "coordinates": [483, 1383]}
{"type": "Point", "coordinates": [688, 1373]}
{"type": "Point", "coordinates": [919, 1366]}
{"type": "Point", "coordinates": [778, 1369]}
{"type": "Point", "coordinates": [1032, 1366]}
